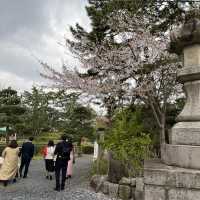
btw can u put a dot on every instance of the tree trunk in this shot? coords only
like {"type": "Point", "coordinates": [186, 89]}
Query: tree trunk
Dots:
{"type": "Point", "coordinates": [79, 150]}
{"type": "Point", "coordinates": [162, 135]}
{"type": "Point", "coordinates": [162, 131]}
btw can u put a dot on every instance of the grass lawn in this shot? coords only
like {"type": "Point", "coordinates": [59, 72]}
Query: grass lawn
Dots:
{"type": "Point", "coordinates": [40, 139]}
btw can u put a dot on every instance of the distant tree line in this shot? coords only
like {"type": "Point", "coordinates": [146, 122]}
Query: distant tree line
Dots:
{"type": "Point", "coordinates": [37, 111]}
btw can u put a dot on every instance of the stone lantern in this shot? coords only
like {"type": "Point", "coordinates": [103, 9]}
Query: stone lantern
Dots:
{"type": "Point", "coordinates": [99, 139]}
{"type": "Point", "coordinates": [177, 175]}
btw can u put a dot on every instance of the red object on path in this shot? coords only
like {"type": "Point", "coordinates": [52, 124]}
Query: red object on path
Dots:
{"type": "Point", "coordinates": [44, 151]}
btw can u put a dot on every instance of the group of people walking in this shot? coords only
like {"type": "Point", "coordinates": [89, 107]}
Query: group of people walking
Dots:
{"type": "Point", "coordinates": [58, 159]}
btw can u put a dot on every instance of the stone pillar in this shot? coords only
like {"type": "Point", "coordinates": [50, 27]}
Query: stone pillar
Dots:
{"type": "Point", "coordinates": [184, 147]}
{"type": "Point", "coordinates": [177, 176]}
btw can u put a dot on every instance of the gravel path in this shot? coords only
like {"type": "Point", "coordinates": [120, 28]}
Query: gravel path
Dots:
{"type": "Point", "coordinates": [37, 187]}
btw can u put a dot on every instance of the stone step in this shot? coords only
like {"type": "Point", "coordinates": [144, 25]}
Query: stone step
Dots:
{"type": "Point", "coordinates": [186, 156]}
{"type": "Point", "coordinates": [163, 182]}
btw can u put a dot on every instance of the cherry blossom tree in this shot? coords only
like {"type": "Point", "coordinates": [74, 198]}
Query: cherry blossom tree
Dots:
{"type": "Point", "coordinates": [129, 64]}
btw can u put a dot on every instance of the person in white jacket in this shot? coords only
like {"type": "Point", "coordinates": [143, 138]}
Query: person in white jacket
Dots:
{"type": "Point", "coordinates": [48, 154]}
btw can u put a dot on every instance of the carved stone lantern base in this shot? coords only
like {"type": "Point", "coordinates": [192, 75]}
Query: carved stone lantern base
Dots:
{"type": "Point", "coordinates": [164, 182]}
{"type": "Point", "coordinates": [177, 176]}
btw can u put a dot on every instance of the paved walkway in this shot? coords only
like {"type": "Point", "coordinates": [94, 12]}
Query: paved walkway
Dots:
{"type": "Point", "coordinates": [37, 187]}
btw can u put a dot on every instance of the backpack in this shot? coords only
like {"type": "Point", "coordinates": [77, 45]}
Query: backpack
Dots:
{"type": "Point", "coordinates": [65, 151]}
{"type": "Point", "coordinates": [44, 151]}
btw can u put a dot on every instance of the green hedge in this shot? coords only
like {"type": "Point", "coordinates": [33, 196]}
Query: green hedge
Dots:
{"type": "Point", "coordinates": [99, 166]}
{"type": "Point", "coordinates": [2, 147]}
{"type": "Point", "coordinates": [87, 149]}
{"type": "Point", "coordinates": [38, 149]}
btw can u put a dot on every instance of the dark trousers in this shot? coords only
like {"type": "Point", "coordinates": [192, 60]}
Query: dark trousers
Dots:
{"type": "Point", "coordinates": [25, 162]}
{"type": "Point", "coordinates": [60, 167]}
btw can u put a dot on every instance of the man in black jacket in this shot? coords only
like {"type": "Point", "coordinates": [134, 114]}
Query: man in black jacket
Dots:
{"type": "Point", "coordinates": [27, 152]}
{"type": "Point", "coordinates": [62, 151]}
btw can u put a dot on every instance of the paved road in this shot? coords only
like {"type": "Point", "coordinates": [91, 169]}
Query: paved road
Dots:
{"type": "Point", "coordinates": [37, 187]}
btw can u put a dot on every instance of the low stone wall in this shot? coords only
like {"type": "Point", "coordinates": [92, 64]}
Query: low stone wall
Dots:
{"type": "Point", "coordinates": [128, 188]}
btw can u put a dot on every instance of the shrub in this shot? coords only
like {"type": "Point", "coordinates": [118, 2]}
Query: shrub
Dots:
{"type": "Point", "coordinates": [2, 147]}
{"type": "Point", "coordinates": [127, 140]}
{"type": "Point", "coordinates": [99, 166]}
{"type": "Point", "coordinates": [38, 149]}
{"type": "Point", "coordinates": [87, 149]}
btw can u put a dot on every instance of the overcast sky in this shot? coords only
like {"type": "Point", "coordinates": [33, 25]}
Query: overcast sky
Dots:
{"type": "Point", "coordinates": [31, 28]}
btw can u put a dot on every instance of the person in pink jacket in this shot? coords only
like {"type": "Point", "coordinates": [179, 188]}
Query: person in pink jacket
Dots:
{"type": "Point", "coordinates": [70, 162]}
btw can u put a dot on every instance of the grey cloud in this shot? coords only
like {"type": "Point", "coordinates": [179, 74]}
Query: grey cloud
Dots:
{"type": "Point", "coordinates": [35, 26]}
{"type": "Point", "coordinates": [18, 61]}
{"type": "Point", "coordinates": [23, 14]}
{"type": "Point", "coordinates": [34, 16]}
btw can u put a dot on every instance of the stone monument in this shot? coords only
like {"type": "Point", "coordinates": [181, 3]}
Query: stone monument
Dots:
{"type": "Point", "coordinates": [177, 175]}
